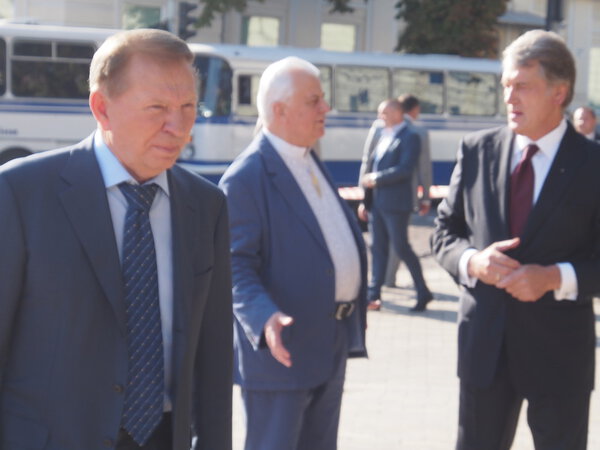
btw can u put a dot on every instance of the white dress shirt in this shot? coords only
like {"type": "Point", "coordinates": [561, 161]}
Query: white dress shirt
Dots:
{"type": "Point", "coordinates": [385, 140]}
{"type": "Point", "coordinates": [113, 174]}
{"type": "Point", "coordinates": [541, 162]}
{"type": "Point", "coordinates": [329, 214]}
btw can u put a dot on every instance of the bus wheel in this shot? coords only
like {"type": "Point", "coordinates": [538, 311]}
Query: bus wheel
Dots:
{"type": "Point", "coordinates": [12, 153]}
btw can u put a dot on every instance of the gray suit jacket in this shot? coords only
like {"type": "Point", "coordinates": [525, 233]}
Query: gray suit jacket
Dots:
{"type": "Point", "coordinates": [63, 351]}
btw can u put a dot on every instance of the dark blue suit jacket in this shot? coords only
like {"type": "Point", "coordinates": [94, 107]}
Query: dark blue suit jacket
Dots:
{"type": "Point", "coordinates": [394, 191]}
{"type": "Point", "coordinates": [550, 344]}
{"type": "Point", "coordinates": [280, 262]}
{"type": "Point", "coordinates": [63, 351]}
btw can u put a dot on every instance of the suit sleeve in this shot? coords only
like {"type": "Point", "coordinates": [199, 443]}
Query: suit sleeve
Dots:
{"type": "Point", "coordinates": [214, 360]}
{"type": "Point", "coordinates": [450, 237]}
{"type": "Point", "coordinates": [252, 304]}
{"type": "Point", "coordinates": [12, 268]}
{"type": "Point", "coordinates": [407, 162]}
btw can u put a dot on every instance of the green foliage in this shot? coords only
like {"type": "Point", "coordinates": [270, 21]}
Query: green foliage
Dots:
{"type": "Point", "coordinates": [459, 27]}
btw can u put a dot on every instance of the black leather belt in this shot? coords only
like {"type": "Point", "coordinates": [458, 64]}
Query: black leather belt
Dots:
{"type": "Point", "coordinates": [344, 310]}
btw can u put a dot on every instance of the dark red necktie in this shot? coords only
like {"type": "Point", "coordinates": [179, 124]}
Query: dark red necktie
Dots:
{"type": "Point", "coordinates": [521, 191]}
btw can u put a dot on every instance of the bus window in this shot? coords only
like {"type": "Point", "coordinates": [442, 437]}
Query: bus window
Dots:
{"type": "Point", "coordinates": [427, 86]}
{"type": "Point", "coordinates": [325, 76]}
{"type": "Point", "coordinates": [70, 50]}
{"type": "Point", "coordinates": [2, 66]}
{"type": "Point", "coordinates": [359, 89]}
{"type": "Point", "coordinates": [36, 71]}
{"type": "Point", "coordinates": [471, 93]}
{"type": "Point", "coordinates": [247, 88]}
{"type": "Point", "coordinates": [214, 93]}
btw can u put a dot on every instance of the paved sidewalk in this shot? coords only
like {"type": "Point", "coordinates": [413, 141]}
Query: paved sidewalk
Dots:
{"type": "Point", "coordinates": [405, 395]}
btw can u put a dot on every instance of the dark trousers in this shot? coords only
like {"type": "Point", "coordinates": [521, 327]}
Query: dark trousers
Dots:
{"type": "Point", "coordinates": [161, 439]}
{"type": "Point", "coordinates": [392, 228]}
{"type": "Point", "coordinates": [488, 416]}
{"type": "Point", "coordinates": [302, 419]}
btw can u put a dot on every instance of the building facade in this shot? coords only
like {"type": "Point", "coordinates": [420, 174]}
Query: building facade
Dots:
{"type": "Point", "coordinates": [309, 23]}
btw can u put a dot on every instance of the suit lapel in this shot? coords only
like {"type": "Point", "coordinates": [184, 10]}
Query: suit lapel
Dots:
{"type": "Point", "coordinates": [501, 174]}
{"type": "Point", "coordinates": [564, 167]}
{"type": "Point", "coordinates": [285, 182]}
{"type": "Point", "coordinates": [185, 226]}
{"type": "Point", "coordinates": [86, 206]}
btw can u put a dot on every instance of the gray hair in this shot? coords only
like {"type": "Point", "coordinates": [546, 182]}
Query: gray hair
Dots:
{"type": "Point", "coordinates": [110, 61]}
{"type": "Point", "coordinates": [550, 51]}
{"type": "Point", "coordinates": [277, 84]}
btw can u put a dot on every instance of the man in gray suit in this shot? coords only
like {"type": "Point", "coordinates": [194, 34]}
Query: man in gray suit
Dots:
{"type": "Point", "coordinates": [115, 292]}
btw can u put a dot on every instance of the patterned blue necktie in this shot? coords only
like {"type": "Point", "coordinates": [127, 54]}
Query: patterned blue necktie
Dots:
{"type": "Point", "coordinates": [145, 383]}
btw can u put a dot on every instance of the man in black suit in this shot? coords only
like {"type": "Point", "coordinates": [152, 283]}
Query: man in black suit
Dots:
{"type": "Point", "coordinates": [520, 231]}
{"type": "Point", "coordinates": [386, 173]}
{"type": "Point", "coordinates": [111, 337]}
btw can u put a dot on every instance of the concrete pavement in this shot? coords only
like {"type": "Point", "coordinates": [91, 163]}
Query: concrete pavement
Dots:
{"type": "Point", "coordinates": [405, 396]}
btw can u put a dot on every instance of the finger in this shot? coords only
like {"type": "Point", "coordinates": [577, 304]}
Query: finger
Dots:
{"type": "Point", "coordinates": [508, 244]}
{"type": "Point", "coordinates": [286, 321]}
{"type": "Point", "coordinates": [282, 355]}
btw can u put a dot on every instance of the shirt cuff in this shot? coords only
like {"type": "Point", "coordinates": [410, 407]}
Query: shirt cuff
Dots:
{"type": "Point", "coordinates": [568, 283]}
{"type": "Point", "coordinates": [463, 271]}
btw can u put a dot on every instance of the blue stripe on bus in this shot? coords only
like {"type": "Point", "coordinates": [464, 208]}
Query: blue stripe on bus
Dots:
{"type": "Point", "coordinates": [345, 173]}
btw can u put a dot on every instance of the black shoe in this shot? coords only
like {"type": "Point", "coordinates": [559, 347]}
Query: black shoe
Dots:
{"type": "Point", "coordinates": [422, 304]}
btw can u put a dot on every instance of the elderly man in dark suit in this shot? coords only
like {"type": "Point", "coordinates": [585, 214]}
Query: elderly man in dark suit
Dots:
{"type": "Point", "coordinates": [584, 120]}
{"type": "Point", "coordinates": [115, 292]}
{"type": "Point", "coordinates": [299, 270]}
{"type": "Point", "coordinates": [520, 230]}
{"type": "Point", "coordinates": [387, 173]}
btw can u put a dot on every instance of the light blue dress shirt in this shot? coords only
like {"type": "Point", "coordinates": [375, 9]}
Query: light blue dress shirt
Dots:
{"type": "Point", "coordinates": [113, 174]}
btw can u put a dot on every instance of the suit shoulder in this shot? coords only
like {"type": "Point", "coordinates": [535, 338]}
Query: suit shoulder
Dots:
{"type": "Point", "coordinates": [35, 168]}
{"type": "Point", "coordinates": [247, 165]}
{"type": "Point", "coordinates": [196, 182]}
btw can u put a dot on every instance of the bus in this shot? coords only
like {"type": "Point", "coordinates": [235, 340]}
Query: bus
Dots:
{"type": "Point", "coordinates": [43, 97]}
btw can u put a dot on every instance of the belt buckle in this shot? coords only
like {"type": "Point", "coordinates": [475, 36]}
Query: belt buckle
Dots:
{"type": "Point", "coordinates": [344, 310]}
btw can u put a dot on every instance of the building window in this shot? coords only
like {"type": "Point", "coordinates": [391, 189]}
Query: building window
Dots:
{"type": "Point", "coordinates": [339, 37]}
{"type": "Point", "coordinates": [260, 31]}
{"type": "Point", "coordinates": [594, 78]}
{"type": "Point", "coordinates": [135, 16]}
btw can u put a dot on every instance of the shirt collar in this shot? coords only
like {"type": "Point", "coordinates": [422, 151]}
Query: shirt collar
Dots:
{"type": "Point", "coordinates": [393, 131]}
{"type": "Point", "coordinates": [547, 144]}
{"type": "Point", "coordinates": [284, 148]}
{"type": "Point", "coordinates": [113, 172]}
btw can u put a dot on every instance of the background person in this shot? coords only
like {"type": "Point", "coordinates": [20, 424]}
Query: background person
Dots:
{"type": "Point", "coordinates": [386, 173]}
{"type": "Point", "coordinates": [584, 120]}
{"type": "Point", "coordinates": [89, 359]}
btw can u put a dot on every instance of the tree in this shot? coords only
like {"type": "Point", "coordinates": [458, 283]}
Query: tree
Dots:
{"type": "Point", "coordinates": [458, 27]}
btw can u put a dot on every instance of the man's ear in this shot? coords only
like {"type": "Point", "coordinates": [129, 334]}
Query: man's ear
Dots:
{"type": "Point", "coordinates": [560, 93]}
{"type": "Point", "coordinates": [278, 109]}
{"type": "Point", "coordinates": [98, 105]}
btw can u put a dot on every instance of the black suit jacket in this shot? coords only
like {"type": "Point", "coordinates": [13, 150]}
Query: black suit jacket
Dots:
{"type": "Point", "coordinates": [63, 352]}
{"type": "Point", "coordinates": [549, 343]}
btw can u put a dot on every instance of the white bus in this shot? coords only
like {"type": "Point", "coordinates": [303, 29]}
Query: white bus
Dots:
{"type": "Point", "coordinates": [43, 92]}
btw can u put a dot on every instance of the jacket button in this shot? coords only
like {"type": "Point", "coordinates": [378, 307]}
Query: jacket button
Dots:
{"type": "Point", "coordinates": [118, 388]}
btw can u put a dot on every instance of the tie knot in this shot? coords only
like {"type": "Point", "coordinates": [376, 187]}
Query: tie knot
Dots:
{"type": "Point", "coordinates": [139, 196]}
{"type": "Point", "coordinates": [529, 151]}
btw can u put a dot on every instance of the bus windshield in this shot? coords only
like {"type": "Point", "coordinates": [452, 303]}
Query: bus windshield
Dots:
{"type": "Point", "coordinates": [215, 86]}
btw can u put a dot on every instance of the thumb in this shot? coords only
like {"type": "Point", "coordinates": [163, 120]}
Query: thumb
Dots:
{"type": "Point", "coordinates": [285, 320]}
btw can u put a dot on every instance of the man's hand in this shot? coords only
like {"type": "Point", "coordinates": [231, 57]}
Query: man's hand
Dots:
{"type": "Point", "coordinates": [362, 212]}
{"type": "Point", "coordinates": [531, 281]}
{"type": "Point", "coordinates": [368, 180]}
{"type": "Point", "coordinates": [491, 265]}
{"type": "Point", "coordinates": [273, 329]}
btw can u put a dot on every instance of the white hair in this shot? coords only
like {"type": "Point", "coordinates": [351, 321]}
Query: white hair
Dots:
{"type": "Point", "coordinates": [276, 84]}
